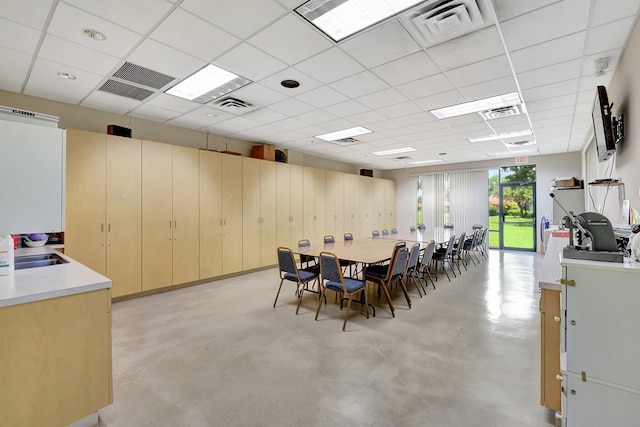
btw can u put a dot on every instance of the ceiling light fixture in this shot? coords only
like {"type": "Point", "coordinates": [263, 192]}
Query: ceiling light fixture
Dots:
{"type": "Point", "coordinates": [394, 151]}
{"type": "Point", "coordinates": [424, 162]}
{"type": "Point", "coordinates": [94, 34]}
{"type": "Point", "coordinates": [207, 84]}
{"type": "Point", "coordinates": [499, 101]}
{"type": "Point", "coordinates": [345, 133]}
{"type": "Point", "coordinates": [66, 76]}
{"type": "Point", "coordinates": [515, 134]}
{"type": "Point", "coordinates": [340, 19]}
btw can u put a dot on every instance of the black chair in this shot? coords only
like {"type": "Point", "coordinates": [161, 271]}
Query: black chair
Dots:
{"type": "Point", "coordinates": [412, 268]}
{"type": "Point", "coordinates": [289, 271]}
{"type": "Point", "coordinates": [425, 264]}
{"type": "Point", "coordinates": [443, 257]}
{"type": "Point", "coordinates": [395, 274]}
{"type": "Point", "coordinates": [412, 228]}
{"type": "Point", "coordinates": [348, 236]}
{"type": "Point", "coordinates": [422, 227]}
{"type": "Point", "coordinates": [375, 234]}
{"type": "Point", "coordinates": [347, 287]}
{"type": "Point", "coordinates": [394, 231]}
{"type": "Point", "coordinates": [385, 232]}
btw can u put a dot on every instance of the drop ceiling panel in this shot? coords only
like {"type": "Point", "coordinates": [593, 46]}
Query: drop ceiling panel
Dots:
{"type": "Point", "coordinates": [201, 117]}
{"type": "Point", "coordinates": [306, 83]}
{"type": "Point", "coordinates": [550, 91]}
{"type": "Point", "coordinates": [242, 61]}
{"type": "Point", "coordinates": [18, 37]}
{"type": "Point", "coordinates": [291, 107]}
{"type": "Point", "coordinates": [15, 62]}
{"type": "Point", "coordinates": [479, 72]}
{"type": "Point", "coordinates": [367, 117]}
{"type": "Point", "coordinates": [105, 101]}
{"type": "Point", "coordinates": [265, 115]}
{"type": "Point", "coordinates": [164, 59]}
{"type": "Point", "coordinates": [489, 88]}
{"type": "Point", "coordinates": [465, 50]}
{"type": "Point", "coordinates": [202, 40]}
{"type": "Point", "coordinates": [359, 84]}
{"type": "Point", "coordinates": [316, 117]}
{"type": "Point", "coordinates": [45, 82]}
{"type": "Point", "coordinates": [322, 97]}
{"type": "Point", "coordinates": [231, 125]}
{"type": "Point", "coordinates": [591, 82]}
{"type": "Point", "coordinates": [290, 40]}
{"type": "Point", "coordinates": [551, 103]}
{"type": "Point", "coordinates": [606, 11]}
{"type": "Point", "coordinates": [507, 9]}
{"type": "Point", "coordinates": [68, 22]}
{"type": "Point", "coordinates": [153, 113]}
{"type": "Point", "coordinates": [74, 55]}
{"type": "Point", "coordinates": [549, 53]}
{"type": "Point", "coordinates": [427, 86]}
{"type": "Point", "coordinates": [440, 100]}
{"type": "Point", "coordinates": [400, 110]}
{"type": "Point", "coordinates": [414, 119]}
{"type": "Point", "coordinates": [409, 68]}
{"type": "Point", "coordinates": [346, 108]}
{"type": "Point", "coordinates": [612, 56]}
{"type": "Point", "coordinates": [242, 18]}
{"type": "Point", "coordinates": [382, 99]}
{"type": "Point", "coordinates": [32, 13]}
{"type": "Point", "coordinates": [173, 103]}
{"type": "Point", "coordinates": [548, 23]}
{"type": "Point", "coordinates": [609, 36]}
{"type": "Point", "coordinates": [381, 44]}
{"type": "Point", "coordinates": [552, 74]}
{"type": "Point", "coordinates": [330, 65]}
{"type": "Point", "coordinates": [258, 95]}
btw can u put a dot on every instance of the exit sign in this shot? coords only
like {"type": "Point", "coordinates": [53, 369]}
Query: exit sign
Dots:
{"type": "Point", "coordinates": [521, 160]}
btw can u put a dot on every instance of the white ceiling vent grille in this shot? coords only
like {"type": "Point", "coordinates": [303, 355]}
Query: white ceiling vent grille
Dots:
{"type": "Point", "coordinates": [233, 105]}
{"type": "Point", "coordinates": [142, 76]}
{"type": "Point", "coordinates": [346, 142]}
{"type": "Point", "coordinates": [123, 89]}
{"type": "Point", "coordinates": [437, 21]}
{"type": "Point", "coordinates": [502, 112]}
{"type": "Point", "coordinates": [521, 143]}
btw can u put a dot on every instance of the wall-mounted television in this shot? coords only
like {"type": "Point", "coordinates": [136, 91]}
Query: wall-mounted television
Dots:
{"type": "Point", "coordinates": [606, 129]}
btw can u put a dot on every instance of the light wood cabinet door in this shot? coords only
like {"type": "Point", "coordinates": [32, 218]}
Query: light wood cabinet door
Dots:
{"type": "Point", "coordinates": [251, 216]}
{"type": "Point", "coordinates": [330, 203]}
{"type": "Point", "coordinates": [309, 210]}
{"type": "Point", "coordinates": [320, 204]}
{"type": "Point", "coordinates": [379, 222]}
{"type": "Point", "coordinates": [232, 213]}
{"type": "Point", "coordinates": [157, 215]}
{"type": "Point", "coordinates": [210, 170]}
{"type": "Point", "coordinates": [550, 386]}
{"type": "Point", "coordinates": [283, 205]}
{"type": "Point", "coordinates": [366, 206]}
{"type": "Point", "coordinates": [268, 211]}
{"type": "Point", "coordinates": [85, 233]}
{"type": "Point", "coordinates": [124, 215]}
{"type": "Point", "coordinates": [186, 215]}
{"type": "Point", "coordinates": [390, 204]}
{"type": "Point", "coordinates": [297, 205]}
{"type": "Point", "coordinates": [352, 205]}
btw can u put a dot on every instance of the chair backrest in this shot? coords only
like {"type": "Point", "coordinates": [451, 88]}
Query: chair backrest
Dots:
{"type": "Point", "coordinates": [398, 265]}
{"type": "Point", "coordinates": [329, 239]}
{"type": "Point", "coordinates": [385, 232]}
{"type": "Point", "coordinates": [460, 241]}
{"type": "Point", "coordinates": [414, 255]}
{"type": "Point", "coordinates": [305, 258]}
{"type": "Point", "coordinates": [452, 240]}
{"type": "Point", "coordinates": [428, 254]}
{"type": "Point", "coordinates": [330, 268]}
{"type": "Point", "coordinates": [412, 228]}
{"type": "Point", "coordinates": [303, 243]}
{"type": "Point", "coordinates": [422, 227]}
{"type": "Point", "coordinates": [286, 261]}
{"type": "Point", "coordinates": [375, 233]}
{"type": "Point", "coordinates": [394, 231]}
{"type": "Point", "coordinates": [448, 225]}
{"type": "Point", "coordinates": [348, 236]}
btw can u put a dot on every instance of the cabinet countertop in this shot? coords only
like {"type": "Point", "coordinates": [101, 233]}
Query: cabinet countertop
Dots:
{"type": "Point", "coordinates": [626, 266]}
{"type": "Point", "coordinates": [40, 283]}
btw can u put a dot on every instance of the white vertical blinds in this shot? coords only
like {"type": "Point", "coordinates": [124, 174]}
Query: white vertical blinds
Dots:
{"type": "Point", "coordinates": [460, 198]}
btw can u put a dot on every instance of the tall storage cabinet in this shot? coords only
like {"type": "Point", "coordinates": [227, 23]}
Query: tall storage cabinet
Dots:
{"type": "Point", "coordinates": [259, 213]}
{"type": "Point", "coordinates": [103, 224]}
{"type": "Point", "coordinates": [283, 205]}
{"type": "Point", "coordinates": [186, 215]}
{"type": "Point", "coordinates": [334, 204]}
{"type": "Point", "coordinates": [297, 204]}
{"type": "Point", "coordinates": [366, 207]}
{"type": "Point", "coordinates": [211, 242]}
{"type": "Point", "coordinates": [352, 205]}
{"type": "Point", "coordinates": [389, 204]}
{"type": "Point", "coordinates": [231, 214]}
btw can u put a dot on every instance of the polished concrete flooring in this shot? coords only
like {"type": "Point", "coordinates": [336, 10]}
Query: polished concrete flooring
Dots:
{"type": "Point", "coordinates": [218, 354]}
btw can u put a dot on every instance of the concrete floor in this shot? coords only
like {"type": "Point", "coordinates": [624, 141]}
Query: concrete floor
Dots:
{"type": "Point", "coordinates": [218, 354]}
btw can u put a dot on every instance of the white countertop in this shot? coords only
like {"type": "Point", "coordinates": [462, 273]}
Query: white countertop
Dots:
{"type": "Point", "coordinates": [627, 265]}
{"type": "Point", "coordinates": [40, 283]}
{"type": "Point", "coordinates": [551, 269]}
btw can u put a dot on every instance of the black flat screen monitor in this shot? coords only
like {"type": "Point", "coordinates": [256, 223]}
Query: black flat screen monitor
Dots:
{"type": "Point", "coordinates": [602, 129]}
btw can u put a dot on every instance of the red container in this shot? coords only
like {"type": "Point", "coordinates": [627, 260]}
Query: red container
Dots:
{"type": "Point", "coordinates": [16, 240]}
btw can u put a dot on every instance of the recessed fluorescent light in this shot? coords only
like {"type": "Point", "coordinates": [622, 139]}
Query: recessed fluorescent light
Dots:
{"type": "Point", "coordinates": [340, 19]}
{"type": "Point", "coordinates": [518, 133]}
{"type": "Point", "coordinates": [345, 133]}
{"type": "Point", "coordinates": [424, 162]}
{"type": "Point", "coordinates": [207, 84]}
{"type": "Point", "coordinates": [499, 101]}
{"type": "Point", "coordinates": [515, 152]}
{"type": "Point", "coordinates": [395, 151]}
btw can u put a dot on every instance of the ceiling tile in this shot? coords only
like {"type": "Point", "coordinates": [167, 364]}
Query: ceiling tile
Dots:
{"type": "Point", "coordinates": [242, 18]}
{"type": "Point", "coordinates": [489, 88]}
{"type": "Point", "coordinates": [68, 22]}
{"type": "Point", "coordinates": [400, 110]}
{"type": "Point", "coordinates": [565, 87]}
{"type": "Point", "coordinates": [591, 82]}
{"type": "Point", "coordinates": [550, 103]}
{"type": "Point", "coordinates": [201, 117]}
{"type": "Point", "coordinates": [109, 102]}
{"type": "Point", "coordinates": [406, 69]}
{"type": "Point", "coordinates": [359, 85]}
{"type": "Point", "coordinates": [164, 59]}
{"type": "Point", "coordinates": [440, 100]}
{"type": "Point", "coordinates": [32, 13]}
{"type": "Point", "coordinates": [479, 72]}
{"type": "Point", "coordinates": [316, 117]}
{"type": "Point", "coordinates": [367, 117]}
{"type": "Point", "coordinates": [243, 60]}
{"type": "Point", "coordinates": [233, 124]}
{"type": "Point", "coordinates": [605, 11]}
{"type": "Point", "coordinates": [381, 44]}
{"type": "Point", "coordinates": [346, 108]}
{"type": "Point", "coordinates": [306, 83]}
{"type": "Point", "coordinates": [477, 46]}
{"type": "Point", "coordinates": [322, 97]}
{"type": "Point", "coordinates": [203, 40]}
{"type": "Point", "coordinates": [290, 40]}
{"type": "Point", "coordinates": [13, 68]}
{"type": "Point", "coordinates": [330, 65]}
{"type": "Point", "coordinates": [425, 87]}
{"type": "Point", "coordinates": [507, 9]}
{"type": "Point", "coordinates": [382, 99]}
{"type": "Point", "coordinates": [611, 56]}
{"type": "Point", "coordinates": [609, 36]}
{"type": "Point", "coordinates": [45, 82]}
{"type": "Point", "coordinates": [265, 115]}
{"type": "Point", "coordinates": [549, 53]}
{"type": "Point", "coordinates": [18, 37]}
{"type": "Point", "coordinates": [414, 119]}
{"type": "Point", "coordinates": [291, 107]}
{"type": "Point", "coordinates": [548, 23]}
{"type": "Point", "coordinates": [63, 51]}
{"type": "Point", "coordinates": [552, 74]}
{"type": "Point", "coordinates": [153, 113]}
{"type": "Point", "coordinates": [174, 103]}
{"type": "Point", "coordinates": [258, 94]}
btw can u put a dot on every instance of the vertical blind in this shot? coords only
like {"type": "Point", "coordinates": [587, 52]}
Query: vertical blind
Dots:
{"type": "Point", "coordinates": [460, 198]}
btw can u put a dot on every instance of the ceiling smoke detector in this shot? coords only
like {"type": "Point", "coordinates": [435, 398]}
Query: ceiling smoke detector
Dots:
{"type": "Point", "coordinates": [600, 66]}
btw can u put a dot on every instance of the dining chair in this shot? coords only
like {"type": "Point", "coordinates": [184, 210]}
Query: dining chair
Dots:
{"type": "Point", "coordinates": [395, 274]}
{"type": "Point", "coordinates": [394, 231]}
{"type": "Point", "coordinates": [425, 264]}
{"type": "Point", "coordinates": [443, 257]}
{"type": "Point", "coordinates": [470, 246]}
{"type": "Point", "coordinates": [412, 268]}
{"type": "Point", "coordinates": [456, 252]}
{"type": "Point", "coordinates": [348, 236]}
{"type": "Point", "coordinates": [289, 271]}
{"type": "Point", "coordinates": [385, 232]}
{"type": "Point", "coordinates": [308, 262]}
{"type": "Point", "coordinates": [412, 228]}
{"type": "Point", "coordinates": [375, 234]}
{"type": "Point", "coordinates": [422, 227]}
{"type": "Point", "coordinates": [333, 279]}
{"type": "Point", "coordinates": [329, 239]}
{"type": "Point", "coordinates": [447, 225]}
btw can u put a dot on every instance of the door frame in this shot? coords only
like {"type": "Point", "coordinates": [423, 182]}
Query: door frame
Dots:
{"type": "Point", "coordinates": [501, 215]}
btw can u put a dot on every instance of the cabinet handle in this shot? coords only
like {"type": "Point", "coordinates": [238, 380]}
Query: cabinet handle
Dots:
{"type": "Point", "coordinates": [225, 221]}
{"type": "Point", "coordinates": [169, 225]}
{"type": "Point", "coordinates": [559, 377]}
{"type": "Point", "coordinates": [102, 227]}
{"type": "Point", "coordinates": [556, 319]}
{"type": "Point", "coordinates": [109, 228]}
{"type": "Point", "coordinates": [175, 224]}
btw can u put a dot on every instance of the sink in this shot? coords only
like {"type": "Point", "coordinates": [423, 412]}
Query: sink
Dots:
{"type": "Point", "coordinates": [40, 260]}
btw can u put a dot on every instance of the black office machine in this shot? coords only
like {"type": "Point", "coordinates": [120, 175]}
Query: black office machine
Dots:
{"type": "Point", "coordinates": [594, 237]}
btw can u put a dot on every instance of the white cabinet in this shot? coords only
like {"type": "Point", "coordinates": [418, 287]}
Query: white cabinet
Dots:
{"type": "Point", "coordinates": [600, 319]}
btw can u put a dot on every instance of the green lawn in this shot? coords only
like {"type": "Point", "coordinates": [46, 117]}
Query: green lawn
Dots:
{"type": "Point", "coordinates": [518, 232]}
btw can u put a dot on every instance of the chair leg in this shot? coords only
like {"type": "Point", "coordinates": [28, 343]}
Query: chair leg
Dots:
{"type": "Point", "coordinates": [404, 291]}
{"type": "Point", "coordinates": [278, 293]}
{"type": "Point", "coordinates": [388, 297]}
{"type": "Point", "coordinates": [300, 298]}
{"type": "Point", "coordinates": [366, 301]}
{"type": "Point", "coordinates": [346, 314]}
{"type": "Point", "coordinates": [320, 302]}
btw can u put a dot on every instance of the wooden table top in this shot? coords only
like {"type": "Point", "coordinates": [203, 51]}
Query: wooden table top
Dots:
{"type": "Point", "coordinates": [439, 235]}
{"type": "Point", "coordinates": [366, 251]}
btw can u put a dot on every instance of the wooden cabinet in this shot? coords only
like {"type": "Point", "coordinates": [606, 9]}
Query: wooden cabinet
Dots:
{"type": "Point", "coordinates": [186, 215]}
{"type": "Point", "coordinates": [211, 242]}
{"type": "Point", "coordinates": [389, 204]}
{"type": "Point", "coordinates": [334, 204]}
{"type": "Point", "coordinates": [352, 205]}
{"type": "Point", "coordinates": [231, 214]}
{"type": "Point", "coordinates": [297, 205]}
{"type": "Point", "coordinates": [550, 385]}
{"type": "Point", "coordinates": [366, 207]}
{"type": "Point", "coordinates": [103, 228]}
{"type": "Point", "coordinates": [259, 213]}
{"type": "Point", "coordinates": [320, 205]}
{"type": "Point", "coordinates": [283, 205]}
{"type": "Point", "coordinates": [378, 220]}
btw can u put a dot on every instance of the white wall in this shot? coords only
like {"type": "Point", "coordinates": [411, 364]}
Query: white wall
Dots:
{"type": "Point", "coordinates": [547, 168]}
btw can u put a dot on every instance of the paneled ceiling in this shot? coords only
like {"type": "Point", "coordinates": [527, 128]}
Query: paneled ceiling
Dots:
{"type": "Point", "coordinates": [386, 78]}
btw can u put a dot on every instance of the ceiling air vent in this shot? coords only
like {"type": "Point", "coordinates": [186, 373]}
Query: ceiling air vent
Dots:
{"type": "Point", "coordinates": [402, 158]}
{"type": "Point", "coordinates": [142, 76]}
{"type": "Point", "coordinates": [123, 89]}
{"type": "Point", "coordinates": [519, 143]}
{"type": "Point", "coordinates": [233, 105]}
{"type": "Point", "coordinates": [437, 21]}
{"type": "Point", "coordinates": [502, 112]}
{"type": "Point", "coordinates": [346, 141]}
